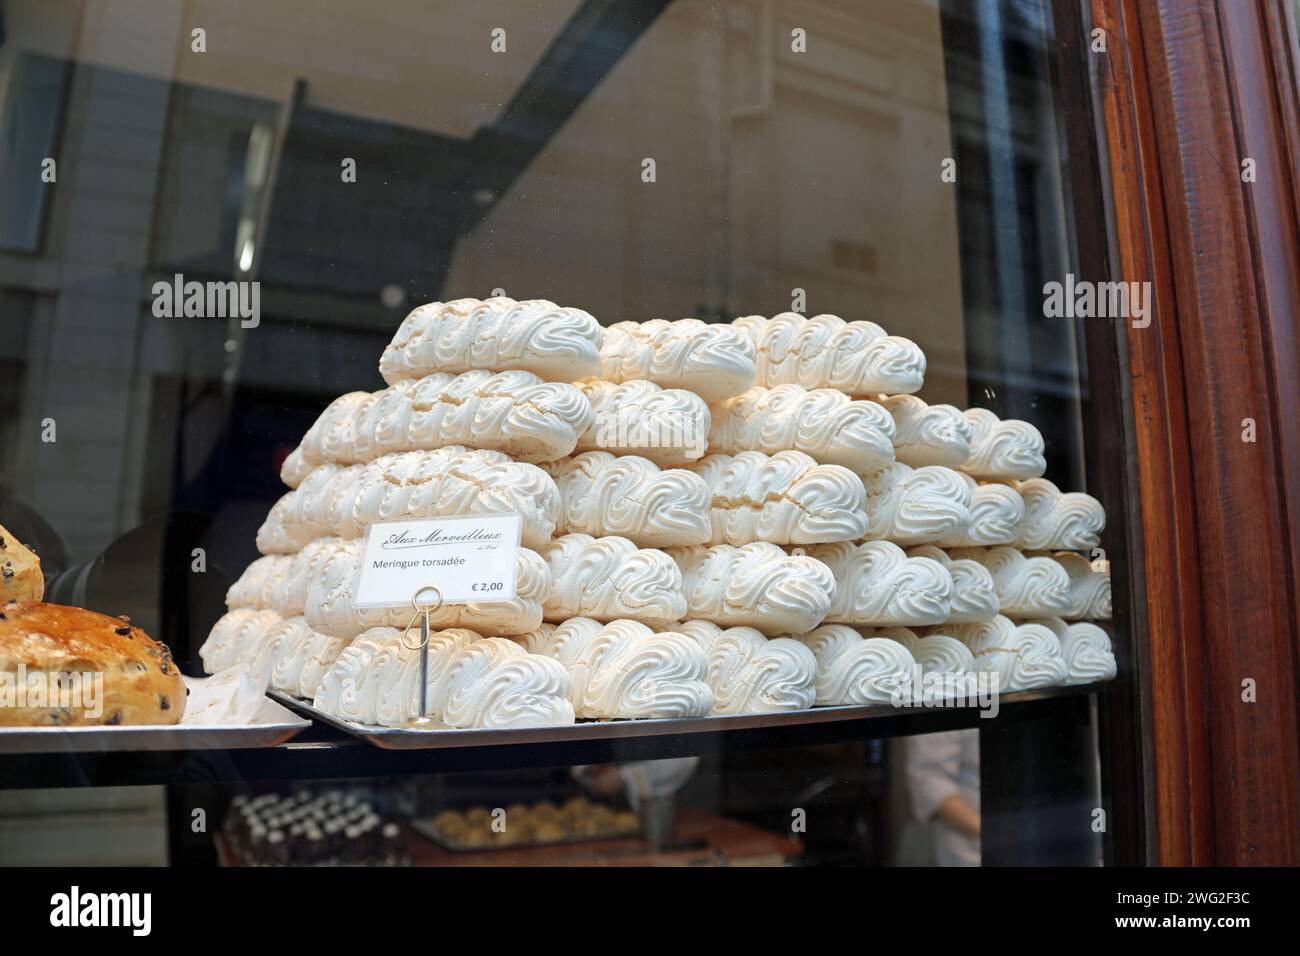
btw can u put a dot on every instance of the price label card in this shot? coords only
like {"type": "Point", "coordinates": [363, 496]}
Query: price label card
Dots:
{"type": "Point", "coordinates": [470, 560]}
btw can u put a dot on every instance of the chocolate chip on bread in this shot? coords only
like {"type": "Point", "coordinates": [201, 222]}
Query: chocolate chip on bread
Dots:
{"type": "Point", "coordinates": [65, 666]}
{"type": "Point", "coordinates": [20, 570]}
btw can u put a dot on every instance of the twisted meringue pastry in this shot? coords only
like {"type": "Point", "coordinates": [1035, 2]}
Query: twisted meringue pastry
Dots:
{"type": "Point", "coordinates": [1023, 657]}
{"type": "Point", "coordinates": [852, 669]}
{"type": "Point", "coordinates": [704, 633]}
{"type": "Point", "coordinates": [296, 467]}
{"type": "Point", "coordinates": [291, 600]}
{"type": "Point", "coordinates": [1054, 521]}
{"type": "Point", "coordinates": [313, 510]}
{"type": "Point", "coordinates": [916, 506]}
{"type": "Point", "coordinates": [235, 637]}
{"type": "Point", "coordinates": [554, 343]}
{"type": "Point", "coordinates": [942, 654]}
{"type": "Point", "coordinates": [752, 674]}
{"type": "Point", "coordinates": [471, 682]}
{"type": "Point", "coordinates": [1087, 650]}
{"type": "Point", "coordinates": [300, 656]}
{"type": "Point", "coordinates": [786, 498]}
{"type": "Point", "coordinates": [973, 595]}
{"type": "Point", "coordinates": [534, 641]}
{"type": "Point", "coordinates": [625, 670]}
{"type": "Point", "coordinates": [515, 413]}
{"type": "Point", "coordinates": [262, 584]}
{"type": "Point", "coordinates": [1026, 586]}
{"type": "Point", "coordinates": [827, 352]}
{"type": "Point", "coordinates": [996, 513]}
{"type": "Point", "coordinates": [669, 426]}
{"type": "Point", "coordinates": [935, 652]}
{"type": "Point", "coordinates": [825, 424]}
{"type": "Point", "coordinates": [927, 434]}
{"type": "Point", "coordinates": [494, 682]}
{"type": "Point", "coordinates": [609, 578]}
{"type": "Point", "coordinates": [714, 361]}
{"type": "Point", "coordinates": [331, 599]}
{"type": "Point", "coordinates": [876, 583]}
{"type": "Point", "coordinates": [452, 482]}
{"type": "Point", "coordinates": [1089, 587]}
{"type": "Point", "coordinates": [602, 494]}
{"type": "Point", "coordinates": [1003, 450]}
{"type": "Point", "coordinates": [895, 632]}
{"type": "Point", "coordinates": [756, 585]}
{"type": "Point", "coordinates": [344, 500]}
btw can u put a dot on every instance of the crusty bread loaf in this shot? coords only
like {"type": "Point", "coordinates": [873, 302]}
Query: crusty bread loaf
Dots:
{"type": "Point", "coordinates": [20, 571]}
{"type": "Point", "coordinates": [138, 682]}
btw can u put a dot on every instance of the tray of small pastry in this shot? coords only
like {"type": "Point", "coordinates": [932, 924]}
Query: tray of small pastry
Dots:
{"type": "Point", "coordinates": [522, 825]}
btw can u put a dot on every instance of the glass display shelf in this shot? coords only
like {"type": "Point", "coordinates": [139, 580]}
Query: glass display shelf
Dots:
{"type": "Point", "coordinates": [325, 752]}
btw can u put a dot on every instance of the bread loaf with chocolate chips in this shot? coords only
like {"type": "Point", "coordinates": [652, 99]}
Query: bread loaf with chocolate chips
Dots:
{"type": "Point", "coordinates": [20, 570]}
{"type": "Point", "coordinates": [66, 667]}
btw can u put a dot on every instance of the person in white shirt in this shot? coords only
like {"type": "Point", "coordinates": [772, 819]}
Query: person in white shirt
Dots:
{"type": "Point", "coordinates": [943, 777]}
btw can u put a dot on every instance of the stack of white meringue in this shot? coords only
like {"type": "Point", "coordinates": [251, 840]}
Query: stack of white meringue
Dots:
{"type": "Point", "coordinates": [744, 518]}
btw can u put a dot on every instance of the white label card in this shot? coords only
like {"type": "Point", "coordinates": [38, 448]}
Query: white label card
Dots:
{"type": "Point", "coordinates": [470, 560]}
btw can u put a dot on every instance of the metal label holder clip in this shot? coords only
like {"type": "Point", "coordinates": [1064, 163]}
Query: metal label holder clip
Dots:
{"type": "Point", "coordinates": [422, 612]}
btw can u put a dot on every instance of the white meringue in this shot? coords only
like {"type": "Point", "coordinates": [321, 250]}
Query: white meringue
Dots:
{"type": "Point", "coordinates": [235, 638]}
{"type": "Point", "coordinates": [756, 585]}
{"type": "Point", "coordinates": [629, 496]}
{"type": "Point", "coordinates": [609, 578]}
{"type": "Point", "coordinates": [942, 654]}
{"type": "Point", "coordinates": [515, 413]}
{"type": "Point", "coordinates": [974, 597]}
{"type": "Point", "coordinates": [303, 569]}
{"type": "Point", "coordinates": [1003, 449]}
{"type": "Point", "coordinates": [927, 434]}
{"type": "Point", "coordinates": [852, 669]}
{"type": "Point", "coordinates": [752, 674]}
{"type": "Point", "coordinates": [449, 482]}
{"type": "Point", "coordinates": [1026, 586]}
{"type": "Point", "coordinates": [624, 669]}
{"type": "Point", "coordinates": [895, 632]}
{"type": "Point", "coordinates": [557, 344]}
{"type": "Point", "coordinates": [452, 482]}
{"type": "Point", "coordinates": [312, 510]}
{"type": "Point", "coordinates": [494, 682]}
{"type": "Point", "coordinates": [996, 513]}
{"type": "Point", "coordinates": [376, 678]}
{"type": "Point", "coordinates": [331, 599]}
{"type": "Point", "coordinates": [876, 583]}
{"type": "Point", "coordinates": [827, 352]}
{"type": "Point", "coordinates": [825, 424]}
{"type": "Point", "coordinates": [669, 426]}
{"type": "Point", "coordinates": [262, 584]}
{"type": "Point", "coordinates": [916, 506]}
{"type": "Point", "coordinates": [1090, 594]}
{"type": "Point", "coordinates": [296, 467]}
{"type": "Point", "coordinates": [295, 648]}
{"type": "Point", "coordinates": [1054, 521]}
{"type": "Point", "coordinates": [714, 361]}
{"type": "Point", "coordinates": [1087, 650]}
{"type": "Point", "coordinates": [1023, 657]}
{"type": "Point", "coordinates": [786, 498]}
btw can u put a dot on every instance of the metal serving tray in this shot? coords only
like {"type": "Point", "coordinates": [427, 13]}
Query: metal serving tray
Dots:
{"type": "Point", "coordinates": [401, 738]}
{"type": "Point", "coordinates": [272, 725]}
